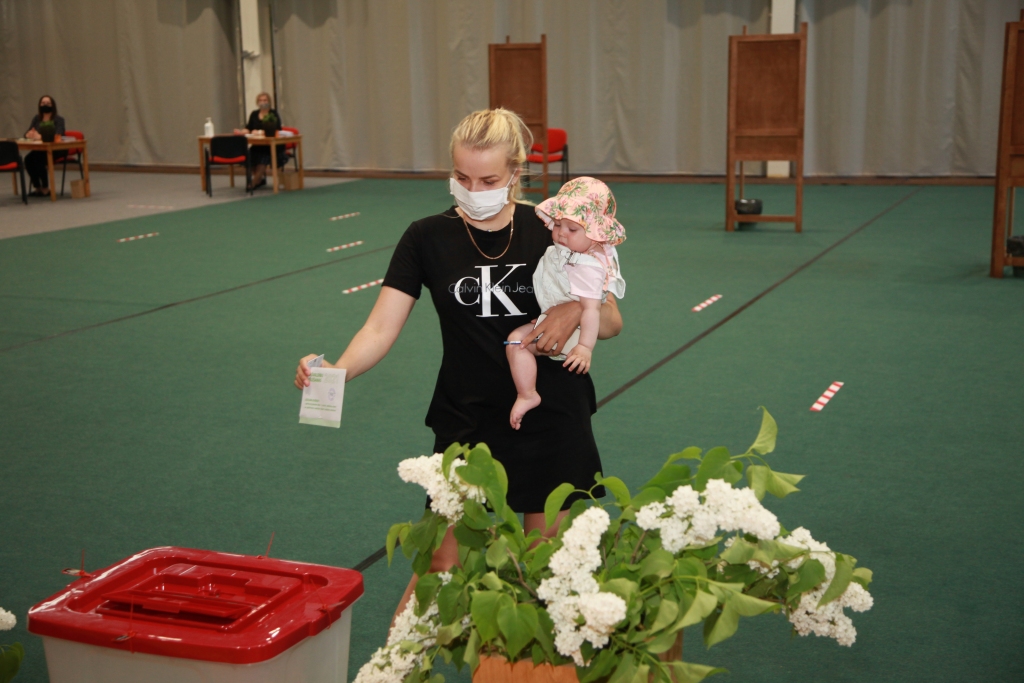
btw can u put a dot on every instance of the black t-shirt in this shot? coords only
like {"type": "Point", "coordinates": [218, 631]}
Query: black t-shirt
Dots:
{"type": "Point", "coordinates": [479, 302]}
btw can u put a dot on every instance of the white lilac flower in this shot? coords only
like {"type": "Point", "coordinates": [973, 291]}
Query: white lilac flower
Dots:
{"type": "Point", "coordinates": [684, 520]}
{"type": "Point", "coordinates": [827, 620]}
{"type": "Point", "coordinates": [446, 495]}
{"type": "Point", "coordinates": [390, 664]}
{"type": "Point", "coordinates": [7, 620]}
{"type": "Point", "coordinates": [573, 593]}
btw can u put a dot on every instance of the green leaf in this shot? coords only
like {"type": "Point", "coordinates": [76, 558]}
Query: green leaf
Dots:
{"type": "Point", "coordinates": [618, 489]}
{"type": "Point", "coordinates": [476, 516]}
{"type": "Point", "coordinates": [599, 666]}
{"type": "Point", "coordinates": [748, 606]}
{"type": "Point", "coordinates": [423, 533]}
{"type": "Point", "coordinates": [659, 563]}
{"type": "Point", "coordinates": [421, 563]}
{"type": "Point", "coordinates": [426, 588]}
{"type": "Point", "coordinates": [468, 537]}
{"type": "Point", "coordinates": [450, 453]}
{"type": "Point", "coordinates": [685, 672]}
{"type": "Point", "coordinates": [11, 657]}
{"type": "Point", "coordinates": [448, 633]}
{"type": "Point", "coordinates": [624, 588]}
{"type": "Point", "coordinates": [448, 601]}
{"type": "Point", "coordinates": [809, 576]}
{"type": "Point", "coordinates": [739, 552]}
{"type": "Point", "coordinates": [517, 624]}
{"type": "Point", "coordinates": [668, 612]}
{"type": "Point", "coordinates": [642, 674]}
{"type": "Point", "coordinates": [662, 642]}
{"type": "Point", "coordinates": [483, 609]}
{"type": "Point", "coordinates": [670, 477]}
{"type": "Point", "coordinates": [704, 603]}
{"type": "Point", "coordinates": [841, 580]}
{"type": "Point", "coordinates": [712, 467]}
{"type": "Point", "coordinates": [496, 555]}
{"type": "Point", "coordinates": [765, 442]}
{"type": "Point", "coordinates": [625, 671]}
{"type": "Point", "coordinates": [726, 624]}
{"type": "Point", "coordinates": [472, 653]}
{"type": "Point", "coordinates": [691, 453]}
{"type": "Point", "coordinates": [541, 555]}
{"type": "Point", "coordinates": [863, 576]}
{"type": "Point", "coordinates": [647, 495]}
{"type": "Point", "coordinates": [758, 475]}
{"type": "Point", "coordinates": [491, 580]}
{"type": "Point", "coordinates": [392, 541]}
{"type": "Point", "coordinates": [553, 505]}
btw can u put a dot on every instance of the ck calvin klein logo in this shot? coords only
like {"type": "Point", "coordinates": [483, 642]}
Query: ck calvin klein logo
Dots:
{"type": "Point", "coordinates": [486, 290]}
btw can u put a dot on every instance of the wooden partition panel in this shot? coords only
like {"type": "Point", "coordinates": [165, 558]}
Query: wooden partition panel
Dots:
{"type": "Point", "coordinates": [766, 112]}
{"type": "Point", "coordinates": [519, 81]}
{"type": "Point", "coordinates": [1010, 151]}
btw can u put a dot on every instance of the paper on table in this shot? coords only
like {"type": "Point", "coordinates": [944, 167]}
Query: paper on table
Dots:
{"type": "Point", "coordinates": [322, 399]}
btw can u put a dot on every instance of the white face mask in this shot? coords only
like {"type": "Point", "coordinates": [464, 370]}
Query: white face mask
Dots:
{"type": "Point", "coordinates": [480, 205]}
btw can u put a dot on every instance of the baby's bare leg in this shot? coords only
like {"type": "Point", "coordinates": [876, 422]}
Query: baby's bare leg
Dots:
{"type": "Point", "coordinates": [524, 373]}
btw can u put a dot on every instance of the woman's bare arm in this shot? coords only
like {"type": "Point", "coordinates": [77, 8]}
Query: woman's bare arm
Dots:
{"type": "Point", "coordinates": [373, 341]}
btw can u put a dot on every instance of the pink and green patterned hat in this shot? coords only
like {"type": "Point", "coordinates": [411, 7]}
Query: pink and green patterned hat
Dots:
{"type": "Point", "coordinates": [589, 202]}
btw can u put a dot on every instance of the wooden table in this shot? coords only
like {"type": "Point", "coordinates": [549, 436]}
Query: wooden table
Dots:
{"type": "Point", "coordinates": [55, 146]}
{"type": "Point", "coordinates": [256, 141]}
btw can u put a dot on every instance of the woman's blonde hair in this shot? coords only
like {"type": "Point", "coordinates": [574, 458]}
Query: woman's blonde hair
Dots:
{"type": "Point", "coordinates": [490, 128]}
{"type": "Point", "coordinates": [267, 95]}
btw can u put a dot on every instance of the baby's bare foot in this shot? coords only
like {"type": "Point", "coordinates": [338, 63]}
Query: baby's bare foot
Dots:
{"type": "Point", "coordinates": [521, 407]}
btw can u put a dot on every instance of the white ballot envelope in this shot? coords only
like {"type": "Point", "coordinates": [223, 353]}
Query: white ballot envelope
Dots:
{"type": "Point", "coordinates": [321, 400]}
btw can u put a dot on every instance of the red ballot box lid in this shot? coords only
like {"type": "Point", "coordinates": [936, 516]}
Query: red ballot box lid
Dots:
{"type": "Point", "coordinates": [199, 604]}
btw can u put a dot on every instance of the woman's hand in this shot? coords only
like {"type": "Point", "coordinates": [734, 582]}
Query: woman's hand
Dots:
{"type": "Point", "coordinates": [302, 373]}
{"type": "Point", "coordinates": [558, 325]}
{"type": "Point", "coordinates": [578, 359]}
{"type": "Point", "coordinates": [33, 134]}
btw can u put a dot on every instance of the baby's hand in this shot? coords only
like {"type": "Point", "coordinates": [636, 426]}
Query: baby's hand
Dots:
{"type": "Point", "coordinates": [578, 359]}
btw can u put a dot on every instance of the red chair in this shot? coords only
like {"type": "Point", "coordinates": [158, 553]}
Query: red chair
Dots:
{"type": "Point", "coordinates": [11, 162]}
{"type": "Point", "coordinates": [74, 156]}
{"type": "Point", "coordinates": [558, 150]}
{"type": "Point", "coordinates": [289, 148]}
{"type": "Point", "coordinates": [228, 150]}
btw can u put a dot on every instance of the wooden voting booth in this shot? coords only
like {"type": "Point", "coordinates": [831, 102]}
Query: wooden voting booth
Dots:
{"type": "Point", "coordinates": [1010, 150]}
{"type": "Point", "coordinates": [766, 113]}
{"type": "Point", "coordinates": [519, 81]}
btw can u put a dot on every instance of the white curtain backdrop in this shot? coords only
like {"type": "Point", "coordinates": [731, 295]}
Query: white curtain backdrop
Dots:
{"type": "Point", "coordinates": [138, 77]}
{"type": "Point", "coordinates": [902, 87]}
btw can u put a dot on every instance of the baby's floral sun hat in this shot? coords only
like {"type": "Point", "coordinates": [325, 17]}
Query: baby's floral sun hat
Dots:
{"type": "Point", "coordinates": [589, 202]}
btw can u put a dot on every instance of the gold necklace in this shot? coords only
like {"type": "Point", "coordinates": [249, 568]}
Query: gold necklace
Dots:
{"type": "Point", "coordinates": [512, 229]}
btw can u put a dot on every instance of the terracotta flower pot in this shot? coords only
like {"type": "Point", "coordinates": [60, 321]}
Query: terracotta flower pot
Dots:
{"type": "Point", "coordinates": [498, 670]}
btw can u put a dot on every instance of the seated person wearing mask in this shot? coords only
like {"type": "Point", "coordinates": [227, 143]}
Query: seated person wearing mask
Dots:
{"type": "Point", "coordinates": [35, 162]}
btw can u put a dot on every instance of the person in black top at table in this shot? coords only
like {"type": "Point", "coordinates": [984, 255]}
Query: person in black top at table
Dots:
{"type": "Point", "coordinates": [35, 162]}
{"type": "Point", "coordinates": [477, 261]}
{"type": "Point", "coordinates": [264, 118]}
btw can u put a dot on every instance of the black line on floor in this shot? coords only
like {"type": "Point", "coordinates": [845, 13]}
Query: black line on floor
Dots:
{"type": "Point", "coordinates": [661, 363]}
{"type": "Point", "coordinates": [194, 299]}
{"type": "Point", "coordinates": [369, 561]}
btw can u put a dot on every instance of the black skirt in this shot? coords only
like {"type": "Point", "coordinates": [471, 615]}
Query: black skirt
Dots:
{"type": "Point", "coordinates": [554, 445]}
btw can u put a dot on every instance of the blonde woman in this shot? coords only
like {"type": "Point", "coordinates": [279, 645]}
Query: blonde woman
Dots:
{"type": "Point", "coordinates": [477, 259]}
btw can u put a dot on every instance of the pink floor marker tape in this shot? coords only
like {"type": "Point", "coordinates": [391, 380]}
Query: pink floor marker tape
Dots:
{"type": "Point", "coordinates": [826, 397]}
{"type": "Point", "coordinates": [345, 246]}
{"type": "Point", "coordinates": [138, 237]}
{"type": "Point", "coordinates": [344, 216]}
{"type": "Point", "coordinates": [361, 287]}
{"type": "Point", "coordinates": [704, 304]}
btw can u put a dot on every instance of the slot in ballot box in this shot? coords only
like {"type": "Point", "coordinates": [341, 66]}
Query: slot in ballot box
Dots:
{"type": "Point", "coordinates": [195, 616]}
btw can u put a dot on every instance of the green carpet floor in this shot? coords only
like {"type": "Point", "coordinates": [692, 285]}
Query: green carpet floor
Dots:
{"type": "Point", "coordinates": [179, 426]}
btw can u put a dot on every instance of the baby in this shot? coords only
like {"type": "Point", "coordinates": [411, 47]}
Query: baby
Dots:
{"type": "Point", "coordinates": [582, 265]}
